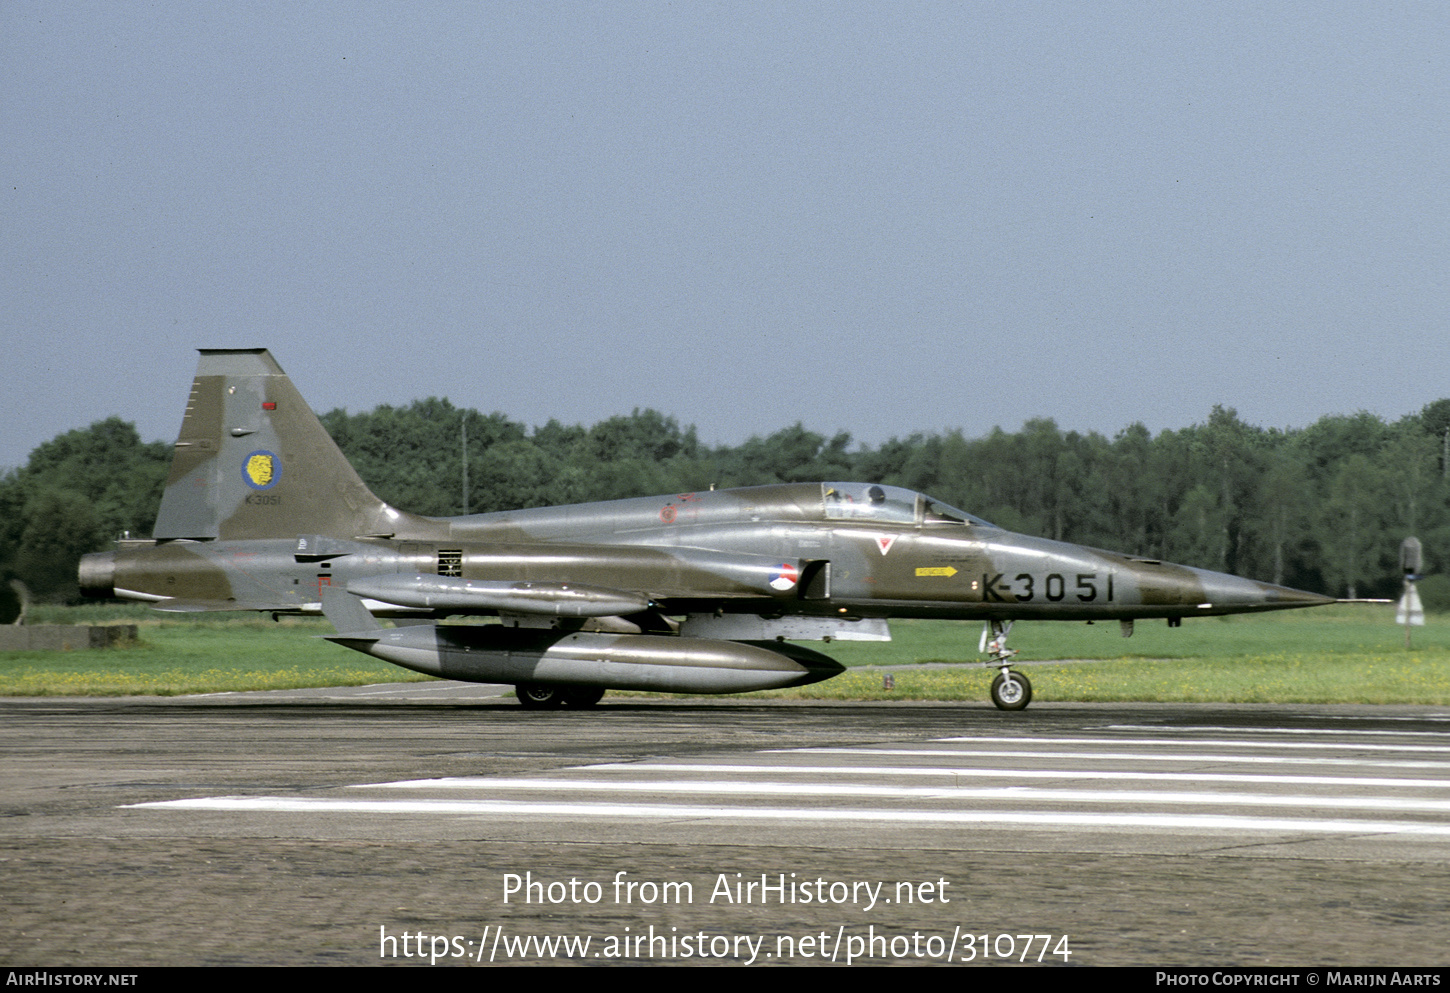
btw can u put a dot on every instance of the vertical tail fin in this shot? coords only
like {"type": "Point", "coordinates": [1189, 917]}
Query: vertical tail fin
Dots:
{"type": "Point", "coordinates": [253, 461]}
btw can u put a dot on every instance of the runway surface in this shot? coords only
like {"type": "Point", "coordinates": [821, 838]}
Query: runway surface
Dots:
{"type": "Point", "coordinates": [332, 826]}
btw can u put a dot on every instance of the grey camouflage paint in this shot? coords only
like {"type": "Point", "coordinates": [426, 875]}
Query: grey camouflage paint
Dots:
{"type": "Point", "coordinates": [263, 512]}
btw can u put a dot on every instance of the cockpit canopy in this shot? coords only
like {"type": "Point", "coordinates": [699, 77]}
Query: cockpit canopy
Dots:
{"type": "Point", "coordinates": [890, 504]}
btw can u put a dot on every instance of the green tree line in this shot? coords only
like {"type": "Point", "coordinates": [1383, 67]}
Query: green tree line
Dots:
{"type": "Point", "coordinates": [1322, 508]}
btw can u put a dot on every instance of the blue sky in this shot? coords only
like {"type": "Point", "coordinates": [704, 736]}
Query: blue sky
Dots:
{"type": "Point", "coordinates": [877, 218]}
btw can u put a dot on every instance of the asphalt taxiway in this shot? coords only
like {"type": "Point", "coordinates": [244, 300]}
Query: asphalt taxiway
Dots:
{"type": "Point", "coordinates": [310, 827]}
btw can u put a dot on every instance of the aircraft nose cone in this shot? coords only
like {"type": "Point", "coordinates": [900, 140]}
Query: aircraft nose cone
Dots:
{"type": "Point", "coordinates": [1235, 593]}
{"type": "Point", "coordinates": [1287, 596]}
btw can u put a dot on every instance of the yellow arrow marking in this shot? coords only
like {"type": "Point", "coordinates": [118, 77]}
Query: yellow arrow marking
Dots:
{"type": "Point", "coordinates": [936, 570]}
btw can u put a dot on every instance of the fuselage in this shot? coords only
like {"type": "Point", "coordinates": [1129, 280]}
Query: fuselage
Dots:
{"type": "Point", "coordinates": [686, 592]}
{"type": "Point", "coordinates": [822, 549]}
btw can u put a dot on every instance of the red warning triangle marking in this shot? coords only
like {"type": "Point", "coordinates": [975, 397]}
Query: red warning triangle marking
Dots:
{"type": "Point", "coordinates": [885, 543]}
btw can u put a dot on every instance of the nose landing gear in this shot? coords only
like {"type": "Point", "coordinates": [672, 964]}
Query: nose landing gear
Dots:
{"type": "Point", "coordinates": [1010, 690]}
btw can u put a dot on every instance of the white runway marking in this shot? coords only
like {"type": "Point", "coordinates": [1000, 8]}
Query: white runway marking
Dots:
{"type": "Point", "coordinates": [1092, 779]}
{"type": "Point", "coordinates": [1097, 774]}
{"type": "Point", "coordinates": [653, 810]}
{"type": "Point", "coordinates": [1016, 793]}
{"type": "Point", "coordinates": [1128, 757]}
{"type": "Point", "coordinates": [1195, 742]}
{"type": "Point", "coordinates": [1341, 732]}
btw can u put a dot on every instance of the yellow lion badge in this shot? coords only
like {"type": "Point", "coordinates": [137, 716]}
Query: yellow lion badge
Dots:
{"type": "Point", "coordinates": [261, 470]}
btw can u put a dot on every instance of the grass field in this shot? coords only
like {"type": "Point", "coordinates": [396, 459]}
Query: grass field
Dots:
{"type": "Point", "coordinates": [1348, 654]}
{"type": "Point", "coordinates": [214, 654]}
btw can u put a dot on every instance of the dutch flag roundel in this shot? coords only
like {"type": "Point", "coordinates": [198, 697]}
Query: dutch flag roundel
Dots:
{"type": "Point", "coordinates": [784, 577]}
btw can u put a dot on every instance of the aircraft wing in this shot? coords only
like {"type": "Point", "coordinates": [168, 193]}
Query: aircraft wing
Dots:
{"type": "Point", "coordinates": [182, 605]}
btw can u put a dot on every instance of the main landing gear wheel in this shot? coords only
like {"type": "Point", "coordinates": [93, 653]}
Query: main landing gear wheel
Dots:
{"type": "Point", "coordinates": [541, 696]}
{"type": "Point", "coordinates": [582, 696]}
{"type": "Point", "coordinates": [1011, 691]}
{"type": "Point", "coordinates": [537, 696]}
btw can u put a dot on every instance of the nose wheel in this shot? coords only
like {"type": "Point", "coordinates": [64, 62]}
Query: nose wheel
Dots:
{"type": "Point", "coordinates": [1010, 690]}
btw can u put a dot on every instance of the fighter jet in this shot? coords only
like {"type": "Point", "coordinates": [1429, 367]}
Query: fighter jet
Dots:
{"type": "Point", "coordinates": [701, 592]}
